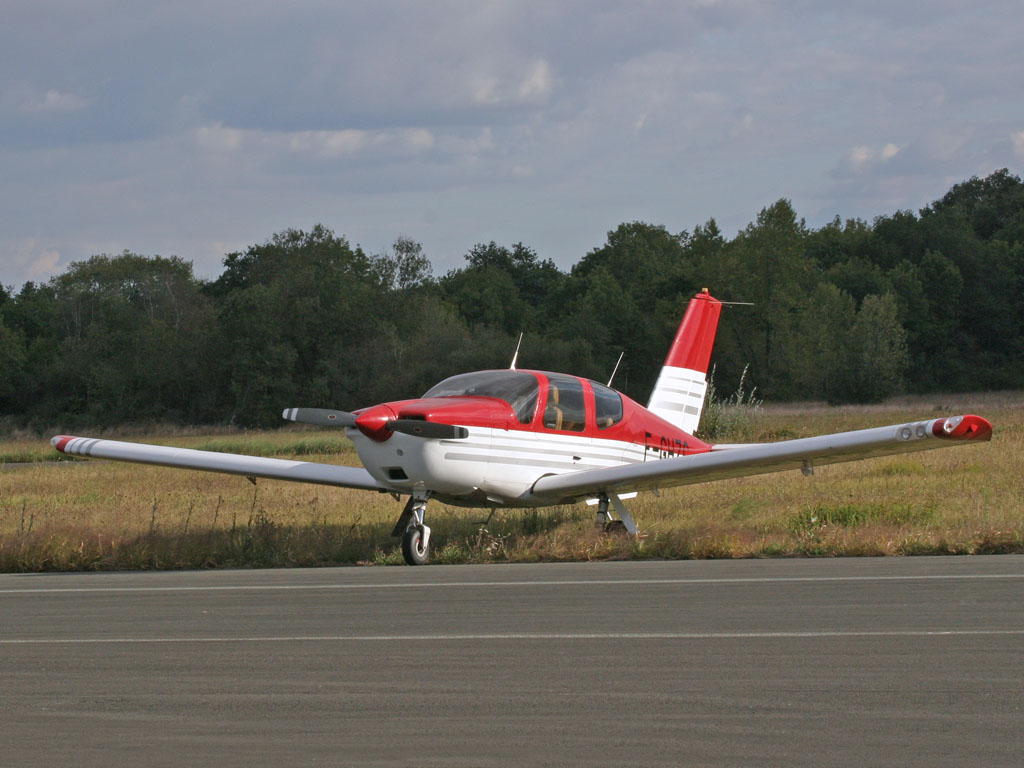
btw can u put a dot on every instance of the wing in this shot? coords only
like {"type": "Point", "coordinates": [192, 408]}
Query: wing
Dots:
{"type": "Point", "coordinates": [758, 458]}
{"type": "Point", "coordinates": [210, 461]}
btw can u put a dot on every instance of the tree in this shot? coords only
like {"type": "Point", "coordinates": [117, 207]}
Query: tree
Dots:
{"type": "Point", "coordinates": [815, 357]}
{"type": "Point", "coordinates": [12, 366]}
{"type": "Point", "coordinates": [131, 336]}
{"type": "Point", "coordinates": [765, 264]}
{"type": "Point", "coordinates": [509, 288]}
{"type": "Point", "coordinates": [405, 268]}
{"type": "Point", "coordinates": [877, 352]}
{"type": "Point", "coordinates": [299, 313]}
{"type": "Point", "coordinates": [627, 295]}
{"type": "Point", "coordinates": [991, 205]}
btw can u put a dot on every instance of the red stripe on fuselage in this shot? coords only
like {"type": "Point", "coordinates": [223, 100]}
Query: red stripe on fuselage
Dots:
{"type": "Point", "coordinates": [638, 425]}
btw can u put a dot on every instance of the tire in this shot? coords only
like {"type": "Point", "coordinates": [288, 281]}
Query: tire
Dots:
{"type": "Point", "coordinates": [412, 546]}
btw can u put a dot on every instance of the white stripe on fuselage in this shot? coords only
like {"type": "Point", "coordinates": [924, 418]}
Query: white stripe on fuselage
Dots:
{"type": "Point", "coordinates": [502, 464]}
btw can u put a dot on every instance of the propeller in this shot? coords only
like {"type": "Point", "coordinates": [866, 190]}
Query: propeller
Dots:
{"type": "Point", "coordinates": [429, 429]}
{"type": "Point", "coordinates": [321, 417]}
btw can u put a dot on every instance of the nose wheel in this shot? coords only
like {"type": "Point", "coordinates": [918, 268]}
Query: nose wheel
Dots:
{"type": "Point", "coordinates": [415, 534]}
{"type": "Point", "coordinates": [416, 544]}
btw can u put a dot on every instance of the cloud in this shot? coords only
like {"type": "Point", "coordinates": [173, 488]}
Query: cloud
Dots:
{"type": "Point", "coordinates": [538, 83]}
{"type": "Point", "coordinates": [337, 145]}
{"type": "Point", "coordinates": [53, 101]}
{"type": "Point", "coordinates": [863, 158]}
{"type": "Point", "coordinates": [1018, 144]}
{"type": "Point", "coordinates": [550, 122]}
{"type": "Point", "coordinates": [418, 139]}
{"type": "Point", "coordinates": [30, 259]}
{"type": "Point", "coordinates": [218, 139]}
{"type": "Point", "coordinates": [485, 89]}
{"type": "Point", "coordinates": [44, 264]}
{"type": "Point", "coordinates": [471, 146]}
{"type": "Point", "coordinates": [327, 144]}
{"type": "Point", "coordinates": [742, 125]}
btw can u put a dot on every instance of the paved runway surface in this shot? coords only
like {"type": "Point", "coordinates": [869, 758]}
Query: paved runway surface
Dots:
{"type": "Point", "coordinates": [916, 661]}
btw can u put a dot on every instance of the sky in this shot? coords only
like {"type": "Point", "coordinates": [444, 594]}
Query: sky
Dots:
{"type": "Point", "coordinates": [199, 128]}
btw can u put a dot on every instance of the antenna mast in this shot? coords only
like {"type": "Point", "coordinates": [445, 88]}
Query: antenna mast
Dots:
{"type": "Point", "coordinates": [516, 355]}
{"type": "Point", "coordinates": [616, 368]}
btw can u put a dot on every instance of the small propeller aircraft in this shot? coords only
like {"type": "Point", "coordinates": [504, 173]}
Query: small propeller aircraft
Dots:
{"type": "Point", "coordinates": [524, 438]}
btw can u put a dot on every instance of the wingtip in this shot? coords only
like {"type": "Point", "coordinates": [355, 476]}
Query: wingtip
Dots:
{"type": "Point", "coordinates": [969, 427]}
{"type": "Point", "coordinates": [60, 441]}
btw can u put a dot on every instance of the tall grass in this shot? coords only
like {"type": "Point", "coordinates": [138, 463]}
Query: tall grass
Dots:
{"type": "Point", "coordinates": [729, 418]}
{"type": "Point", "coordinates": [108, 515]}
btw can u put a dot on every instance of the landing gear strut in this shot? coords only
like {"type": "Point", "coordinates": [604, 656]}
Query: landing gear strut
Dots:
{"type": "Point", "coordinates": [605, 519]}
{"type": "Point", "coordinates": [415, 534]}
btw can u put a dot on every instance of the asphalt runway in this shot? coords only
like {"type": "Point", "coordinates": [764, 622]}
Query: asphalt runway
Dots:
{"type": "Point", "coordinates": [915, 661]}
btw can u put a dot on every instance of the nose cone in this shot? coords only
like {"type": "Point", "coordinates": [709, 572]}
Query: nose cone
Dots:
{"type": "Point", "coordinates": [373, 422]}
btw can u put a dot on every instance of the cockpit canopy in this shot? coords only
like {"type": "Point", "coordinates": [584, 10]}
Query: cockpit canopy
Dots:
{"type": "Point", "coordinates": [564, 411]}
{"type": "Point", "coordinates": [516, 388]}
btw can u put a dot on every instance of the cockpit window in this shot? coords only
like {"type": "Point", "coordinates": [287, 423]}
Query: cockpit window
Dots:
{"type": "Point", "coordinates": [565, 408]}
{"type": "Point", "coordinates": [517, 389]}
{"type": "Point", "coordinates": [607, 405]}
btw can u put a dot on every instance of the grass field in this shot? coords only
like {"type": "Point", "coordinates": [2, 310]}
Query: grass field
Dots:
{"type": "Point", "coordinates": [86, 515]}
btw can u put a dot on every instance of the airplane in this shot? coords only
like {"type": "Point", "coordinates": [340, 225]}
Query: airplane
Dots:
{"type": "Point", "coordinates": [524, 438]}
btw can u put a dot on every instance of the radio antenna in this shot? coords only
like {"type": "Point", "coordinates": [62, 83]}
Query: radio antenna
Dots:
{"type": "Point", "coordinates": [616, 368]}
{"type": "Point", "coordinates": [516, 355]}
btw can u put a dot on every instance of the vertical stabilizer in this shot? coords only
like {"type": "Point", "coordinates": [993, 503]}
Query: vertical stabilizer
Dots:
{"type": "Point", "coordinates": [678, 395]}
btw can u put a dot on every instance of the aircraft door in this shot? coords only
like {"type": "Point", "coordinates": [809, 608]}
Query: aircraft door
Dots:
{"type": "Point", "coordinates": [564, 442]}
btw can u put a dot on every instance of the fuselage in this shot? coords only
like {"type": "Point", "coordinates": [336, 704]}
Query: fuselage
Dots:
{"type": "Point", "coordinates": [521, 425]}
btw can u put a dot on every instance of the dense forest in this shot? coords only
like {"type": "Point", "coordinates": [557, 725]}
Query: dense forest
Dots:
{"type": "Point", "coordinates": [851, 312]}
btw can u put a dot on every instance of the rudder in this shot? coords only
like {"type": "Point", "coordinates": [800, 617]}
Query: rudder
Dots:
{"type": "Point", "coordinates": [679, 392]}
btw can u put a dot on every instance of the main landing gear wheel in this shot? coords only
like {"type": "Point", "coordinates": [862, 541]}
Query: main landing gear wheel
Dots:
{"type": "Point", "coordinates": [416, 545]}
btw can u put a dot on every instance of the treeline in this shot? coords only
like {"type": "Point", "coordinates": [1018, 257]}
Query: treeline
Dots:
{"type": "Point", "coordinates": [851, 312]}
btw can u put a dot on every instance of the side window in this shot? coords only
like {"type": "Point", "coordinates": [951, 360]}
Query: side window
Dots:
{"type": "Point", "coordinates": [607, 405]}
{"type": "Point", "coordinates": [565, 409]}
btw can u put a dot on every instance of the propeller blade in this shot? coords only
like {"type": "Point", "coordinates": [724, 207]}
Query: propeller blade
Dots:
{"type": "Point", "coordinates": [428, 429]}
{"type": "Point", "coordinates": [322, 417]}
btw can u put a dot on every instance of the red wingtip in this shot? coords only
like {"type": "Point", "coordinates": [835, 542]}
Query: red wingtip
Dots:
{"type": "Point", "coordinates": [60, 442]}
{"type": "Point", "coordinates": [968, 427]}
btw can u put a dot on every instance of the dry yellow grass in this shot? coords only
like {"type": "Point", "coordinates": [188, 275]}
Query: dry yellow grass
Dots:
{"type": "Point", "coordinates": [101, 515]}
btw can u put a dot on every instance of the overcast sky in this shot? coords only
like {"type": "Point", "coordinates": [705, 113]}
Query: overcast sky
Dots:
{"type": "Point", "coordinates": [198, 128]}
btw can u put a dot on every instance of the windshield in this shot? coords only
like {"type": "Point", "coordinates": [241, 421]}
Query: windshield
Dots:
{"type": "Point", "coordinates": [517, 389]}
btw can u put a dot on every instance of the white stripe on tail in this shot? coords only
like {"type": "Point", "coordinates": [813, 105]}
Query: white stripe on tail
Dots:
{"type": "Point", "coordinates": [678, 395]}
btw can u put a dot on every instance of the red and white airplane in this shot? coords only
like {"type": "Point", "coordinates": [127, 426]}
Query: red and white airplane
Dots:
{"type": "Point", "coordinates": [521, 438]}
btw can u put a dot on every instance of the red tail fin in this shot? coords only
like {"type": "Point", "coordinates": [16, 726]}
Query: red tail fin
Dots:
{"type": "Point", "coordinates": [678, 395]}
{"type": "Point", "coordinates": [691, 348]}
